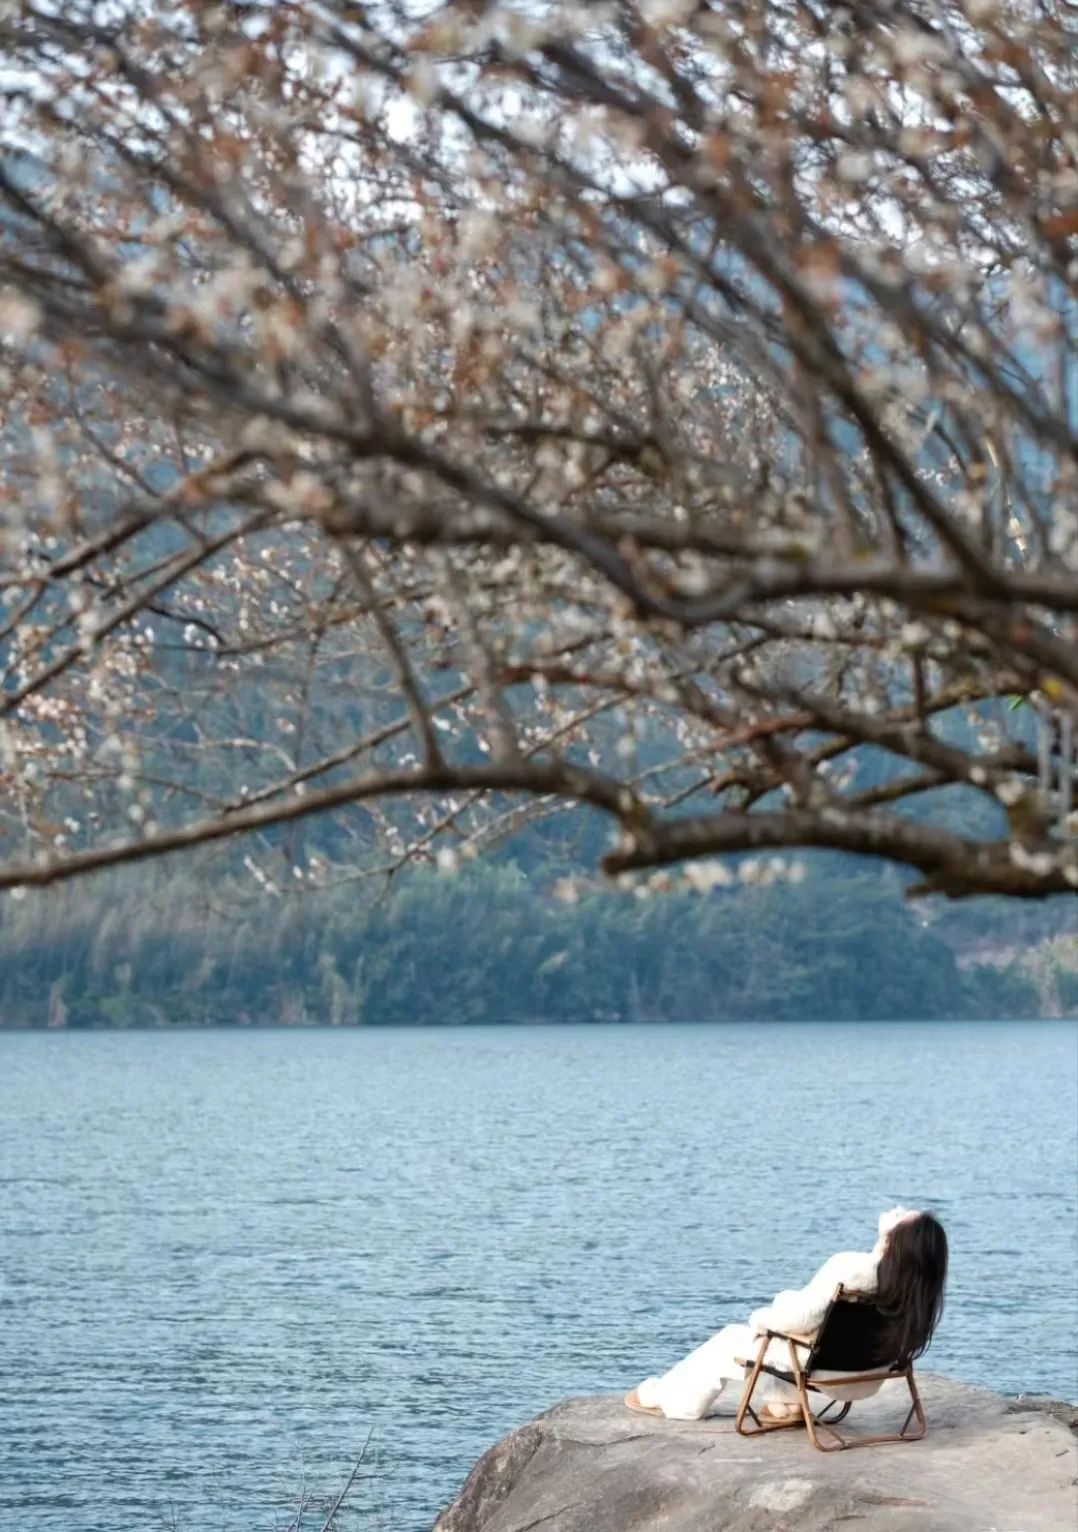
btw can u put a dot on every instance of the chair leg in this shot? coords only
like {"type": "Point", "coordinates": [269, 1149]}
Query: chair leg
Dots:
{"type": "Point", "coordinates": [745, 1407]}
{"type": "Point", "coordinates": [916, 1410]}
{"type": "Point", "coordinates": [841, 1441]}
{"type": "Point", "coordinates": [759, 1427]}
{"type": "Point", "coordinates": [812, 1421]}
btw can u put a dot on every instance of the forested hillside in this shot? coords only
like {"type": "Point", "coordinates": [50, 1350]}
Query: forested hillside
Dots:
{"type": "Point", "coordinates": [493, 943]}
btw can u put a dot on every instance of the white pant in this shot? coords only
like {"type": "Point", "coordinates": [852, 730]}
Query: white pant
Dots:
{"type": "Point", "coordinates": [692, 1386]}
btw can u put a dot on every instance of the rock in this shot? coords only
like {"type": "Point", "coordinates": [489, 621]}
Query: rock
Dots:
{"type": "Point", "coordinates": [588, 1465]}
{"type": "Point", "coordinates": [1067, 1413]}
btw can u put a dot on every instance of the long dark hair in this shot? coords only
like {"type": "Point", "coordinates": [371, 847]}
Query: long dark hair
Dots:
{"type": "Point", "coordinates": [910, 1282]}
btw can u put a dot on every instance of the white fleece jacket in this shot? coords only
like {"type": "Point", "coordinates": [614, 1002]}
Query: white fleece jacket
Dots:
{"type": "Point", "coordinates": [800, 1311]}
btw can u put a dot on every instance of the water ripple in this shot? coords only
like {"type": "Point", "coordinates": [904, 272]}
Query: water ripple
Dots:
{"type": "Point", "coordinates": [226, 1255]}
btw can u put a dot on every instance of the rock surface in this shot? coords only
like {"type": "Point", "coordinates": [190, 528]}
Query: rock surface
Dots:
{"type": "Point", "coordinates": [588, 1465]}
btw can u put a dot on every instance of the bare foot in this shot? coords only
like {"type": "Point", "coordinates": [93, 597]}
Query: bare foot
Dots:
{"type": "Point", "coordinates": [632, 1401]}
{"type": "Point", "coordinates": [780, 1415]}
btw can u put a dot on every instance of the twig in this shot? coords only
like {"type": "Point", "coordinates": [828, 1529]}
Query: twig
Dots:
{"type": "Point", "coordinates": [328, 1523]}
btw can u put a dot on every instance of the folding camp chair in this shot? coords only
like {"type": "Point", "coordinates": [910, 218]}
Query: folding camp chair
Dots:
{"type": "Point", "coordinates": [849, 1341]}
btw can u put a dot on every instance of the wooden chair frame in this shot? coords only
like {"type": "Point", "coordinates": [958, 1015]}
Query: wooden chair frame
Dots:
{"type": "Point", "coordinates": [800, 1375]}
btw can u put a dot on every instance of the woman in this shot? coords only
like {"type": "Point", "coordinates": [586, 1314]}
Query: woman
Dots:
{"type": "Point", "coordinates": [906, 1271]}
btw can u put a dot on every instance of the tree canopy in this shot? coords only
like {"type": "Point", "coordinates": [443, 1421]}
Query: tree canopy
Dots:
{"type": "Point", "coordinates": [445, 414]}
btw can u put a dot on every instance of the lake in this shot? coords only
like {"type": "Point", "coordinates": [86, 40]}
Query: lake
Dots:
{"type": "Point", "coordinates": [225, 1257]}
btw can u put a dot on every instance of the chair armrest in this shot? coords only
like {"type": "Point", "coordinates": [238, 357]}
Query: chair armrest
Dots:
{"type": "Point", "coordinates": [764, 1338]}
{"type": "Point", "coordinates": [788, 1335]}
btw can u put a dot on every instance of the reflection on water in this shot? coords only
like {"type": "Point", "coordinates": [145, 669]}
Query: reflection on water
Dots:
{"type": "Point", "coordinates": [226, 1255]}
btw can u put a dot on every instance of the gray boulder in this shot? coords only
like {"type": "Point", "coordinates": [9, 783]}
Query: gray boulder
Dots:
{"type": "Point", "coordinates": [588, 1465]}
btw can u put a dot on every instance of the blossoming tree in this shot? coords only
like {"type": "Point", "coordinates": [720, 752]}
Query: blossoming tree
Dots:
{"type": "Point", "coordinates": [442, 414]}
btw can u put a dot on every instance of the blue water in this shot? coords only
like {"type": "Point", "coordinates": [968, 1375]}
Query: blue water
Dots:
{"type": "Point", "coordinates": [225, 1257]}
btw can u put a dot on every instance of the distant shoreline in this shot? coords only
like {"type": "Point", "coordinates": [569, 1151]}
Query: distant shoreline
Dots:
{"type": "Point", "coordinates": [536, 1023]}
